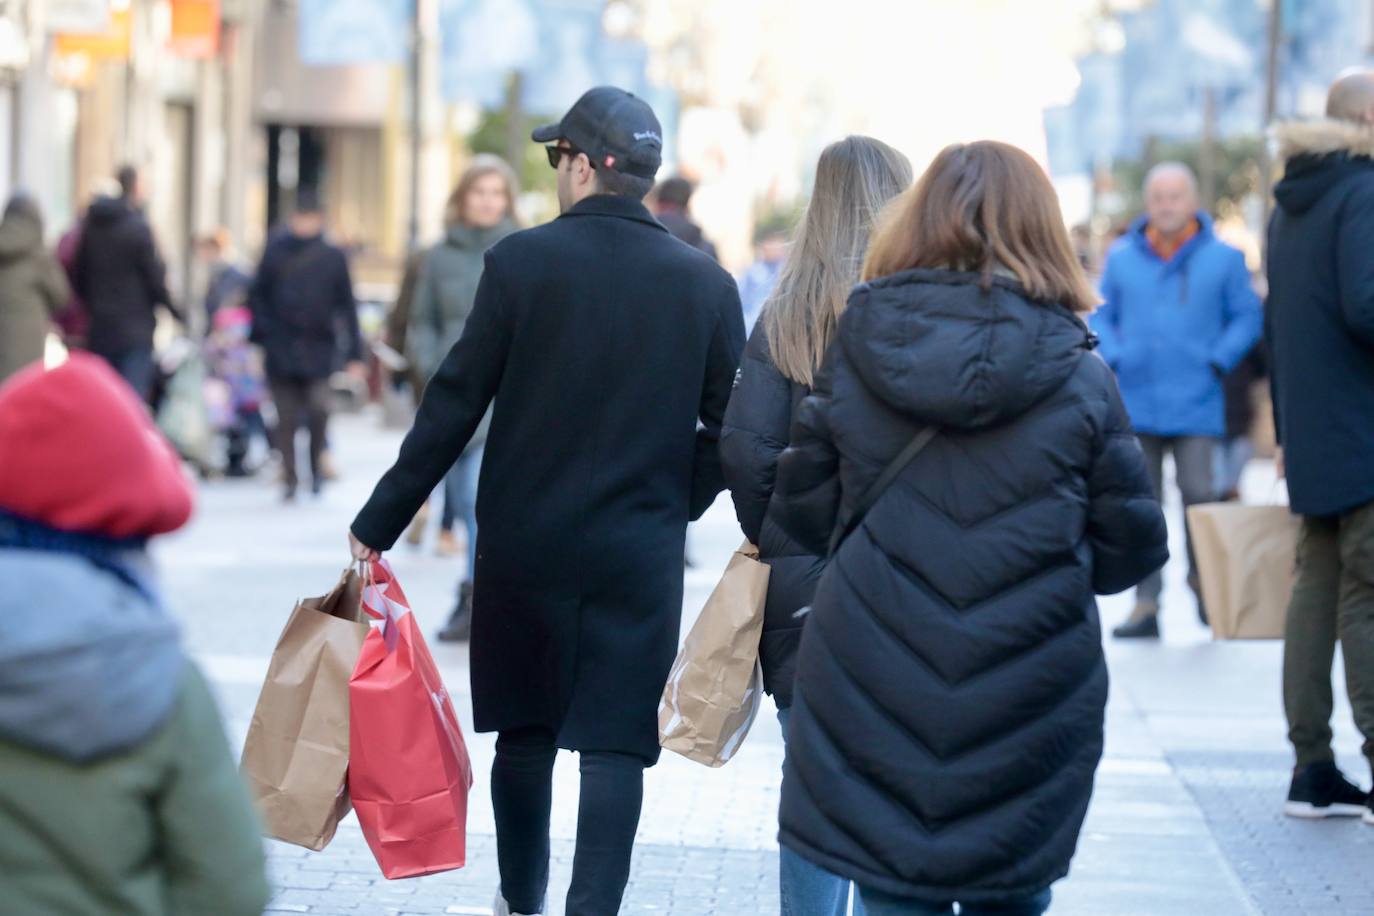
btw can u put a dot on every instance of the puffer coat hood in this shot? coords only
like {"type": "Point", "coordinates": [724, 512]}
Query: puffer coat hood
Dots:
{"type": "Point", "coordinates": [924, 343]}
{"type": "Point", "coordinates": [947, 721]}
{"type": "Point", "coordinates": [90, 665]}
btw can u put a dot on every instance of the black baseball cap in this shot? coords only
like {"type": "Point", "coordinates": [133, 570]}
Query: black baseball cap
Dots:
{"type": "Point", "coordinates": [614, 128]}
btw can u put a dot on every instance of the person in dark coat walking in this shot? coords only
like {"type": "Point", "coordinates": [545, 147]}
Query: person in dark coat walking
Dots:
{"type": "Point", "coordinates": [947, 721]}
{"type": "Point", "coordinates": [855, 179]}
{"type": "Point", "coordinates": [33, 286]}
{"type": "Point", "coordinates": [672, 202]}
{"type": "Point", "coordinates": [304, 315]}
{"type": "Point", "coordinates": [609, 349]}
{"type": "Point", "coordinates": [122, 280]}
{"type": "Point", "coordinates": [1320, 330]}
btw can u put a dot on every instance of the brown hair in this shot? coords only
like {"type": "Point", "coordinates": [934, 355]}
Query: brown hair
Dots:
{"type": "Point", "coordinates": [483, 164]}
{"type": "Point", "coordinates": [983, 207]}
{"type": "Point", "coordinates": [855, 179]}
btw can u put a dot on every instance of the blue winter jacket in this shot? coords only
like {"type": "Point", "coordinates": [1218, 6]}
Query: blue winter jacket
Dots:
{"type": "Point", "coordinates": [1172, 330]}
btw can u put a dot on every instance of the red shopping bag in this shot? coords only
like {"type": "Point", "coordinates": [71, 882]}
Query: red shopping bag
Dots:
{"type": "Point", "coordinates": [408, 771]}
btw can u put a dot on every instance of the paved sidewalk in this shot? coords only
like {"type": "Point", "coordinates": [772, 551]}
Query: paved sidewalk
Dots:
{"type": "Point", "coordinates": [1184, 820]}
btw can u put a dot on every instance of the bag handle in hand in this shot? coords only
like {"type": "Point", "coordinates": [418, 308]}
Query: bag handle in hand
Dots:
{"type": "Point", "coordinates": [876, 488]}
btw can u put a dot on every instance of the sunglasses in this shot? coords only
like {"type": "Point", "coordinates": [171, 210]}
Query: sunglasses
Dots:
{"type": "Point", "coordinates": [556, 154]}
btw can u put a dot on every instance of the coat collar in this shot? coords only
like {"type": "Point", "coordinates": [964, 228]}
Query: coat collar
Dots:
{"type": "Point", "coordinates": [611, 205]}
{"type": "Point", "coordinates": [1203, 235]}
{"type": "Point", "coordinates": [1325, 136]}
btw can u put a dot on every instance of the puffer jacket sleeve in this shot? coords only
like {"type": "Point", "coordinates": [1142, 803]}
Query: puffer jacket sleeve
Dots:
{"type": "Point", "coordinates": [755, 433]}
{"type": "Point", "coordinates": [806, 498]}
{"type": "Point", "coordinates": [1125, 523]}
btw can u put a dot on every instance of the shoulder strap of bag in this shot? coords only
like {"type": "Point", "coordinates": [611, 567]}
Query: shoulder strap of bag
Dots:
{"type": "Point", "coordinates": [875, 489]}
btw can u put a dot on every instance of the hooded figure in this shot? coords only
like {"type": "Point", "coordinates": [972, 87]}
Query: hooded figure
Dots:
{"type": "Point", "coordinates": [117, 790]}
{"type": "Point", "coordinates": [33, 287]}
{"type": "Point", "coordinates": [1320, 329]}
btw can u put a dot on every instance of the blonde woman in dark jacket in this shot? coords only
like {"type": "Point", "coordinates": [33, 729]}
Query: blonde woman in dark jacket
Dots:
{"type": "Point", "coordinates": [855, 179]}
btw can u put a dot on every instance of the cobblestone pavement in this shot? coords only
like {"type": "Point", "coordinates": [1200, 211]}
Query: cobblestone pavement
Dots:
{"type": "Point", "coordinates": [1184, 819]}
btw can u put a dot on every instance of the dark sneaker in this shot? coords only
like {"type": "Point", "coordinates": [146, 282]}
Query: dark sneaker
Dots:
{"type": "Point", "coordinates": [1142, 624]}
{"type": "Point", "coordinates": [1320, 790]}
{"type": "Point", "coordinates": [459, 626]}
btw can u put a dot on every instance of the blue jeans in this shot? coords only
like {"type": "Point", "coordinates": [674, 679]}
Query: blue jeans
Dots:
{"type": "Point", "coordinates": [807, 889]}
{"type": "Point", "coordinates": [460, 500]}
{"type": "Point", "coordinates": [136, 367]}
{"type": "Point", "coordinates": [880, 904]}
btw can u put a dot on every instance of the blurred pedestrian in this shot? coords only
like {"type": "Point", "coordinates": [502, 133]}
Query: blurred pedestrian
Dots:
{"type": "Point", "coordinates": [396, 334]}
{"type": "Point", "coordinates": [122, 280]}
{"type": "Point", "coordinates": [603, 444]}
{"type": "Point", "coordinates": [304, 315]}
{"type": "Point", "coordinates": [1238, 447]}
{"type": "Point", "coordinates": [757, 283]}
{"type": "Point", "coordinates": [672, 207]}
{"type": "Point", "coordinates": [1180, 314]}
{"type": "Point", "coordinates": [238, 380]}
{"type": "Point", "coordinates": [1321, 342]}
{"type": "Point", "coordinates": [33, 286]}
{"type": "Point", "coordinates": [971, 460]}
{"type": "Point", "coordinates": [480, 212]}
{"type": "Point", "coordinates": [118, 793]}
{"type": "Point", "coordinates": [855, 179]}
{"type": "Point", "coordinates": [226, 284]}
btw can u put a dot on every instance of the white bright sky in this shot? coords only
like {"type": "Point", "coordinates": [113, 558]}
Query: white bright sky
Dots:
{"type": "Point", "coordinates": [925, 73]}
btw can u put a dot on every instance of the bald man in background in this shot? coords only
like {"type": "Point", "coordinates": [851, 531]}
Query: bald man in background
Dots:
{"type": "Point", "coordinates": [1179, 314]}
{"type": "Point", "coordinates": [1320, 328]}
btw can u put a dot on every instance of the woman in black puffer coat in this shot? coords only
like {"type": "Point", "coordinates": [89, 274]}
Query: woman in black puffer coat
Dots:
{"type": "Point", "coordinates": [948, 715]}
{"type": "Point", "coordinates": [855, 179]}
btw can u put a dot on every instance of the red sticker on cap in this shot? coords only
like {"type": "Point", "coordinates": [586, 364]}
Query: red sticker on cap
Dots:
{"type": "Point", "coordinates": [610, 161]}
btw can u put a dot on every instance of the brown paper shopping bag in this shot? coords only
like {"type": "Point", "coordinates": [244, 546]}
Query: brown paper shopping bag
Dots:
{"type": "Point", "coordinates": [1246, 557]}
{"type": "Point", "coordinates": [716, 685]}
{"type": "Point", "coordinates": [296, 758]}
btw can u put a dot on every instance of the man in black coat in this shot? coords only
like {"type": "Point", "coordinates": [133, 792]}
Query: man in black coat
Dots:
{"type": "Point", "coordinates": [1320, 328]}
{"type": "Point", "coordinates": [304, 316]}
{"type": "Point", "coordinates": [122, 280]}
{"type": "Point", "coordinates": [609, 349]}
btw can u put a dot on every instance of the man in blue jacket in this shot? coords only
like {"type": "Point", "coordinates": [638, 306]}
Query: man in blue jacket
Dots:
{"type": "Point", "coordinates": [1180, 313]}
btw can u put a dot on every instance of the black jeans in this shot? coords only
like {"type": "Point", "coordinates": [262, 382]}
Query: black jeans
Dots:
{"type": "Point", "coordinates": [296, 399]}
{"type": "Point", "coordinates": [607, 818]}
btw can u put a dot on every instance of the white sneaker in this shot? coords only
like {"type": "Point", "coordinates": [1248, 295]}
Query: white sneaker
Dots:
{"type": "Point", "coordinates": [502, 908]}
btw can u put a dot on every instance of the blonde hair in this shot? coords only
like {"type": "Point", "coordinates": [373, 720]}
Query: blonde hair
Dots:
{"type": "Point", "coordinates": [855, 179]}
{"type": "Point", "coordinates": [983, 207]}
{"type": "Point", "coordinates": [483, 164]}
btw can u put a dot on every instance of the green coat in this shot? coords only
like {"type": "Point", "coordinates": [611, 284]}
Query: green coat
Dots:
{"type": "Point", "coordinates": [166, 829]}
{"type": "Point", "coordinates": [33, 288]}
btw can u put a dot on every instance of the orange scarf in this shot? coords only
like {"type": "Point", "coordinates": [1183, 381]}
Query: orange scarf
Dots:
{"type": "Point", "coordinates": [1167, 248]}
